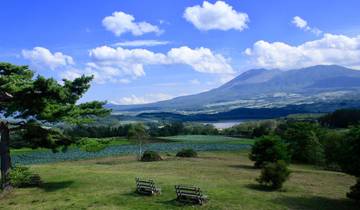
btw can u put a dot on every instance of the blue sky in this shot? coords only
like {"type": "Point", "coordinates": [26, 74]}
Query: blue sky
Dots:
{"type": "Point", "coordinates": [142, 51]}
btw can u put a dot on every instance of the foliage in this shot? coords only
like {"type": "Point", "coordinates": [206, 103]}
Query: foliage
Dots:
{"type": "Point", "coordinates": [187, 153]}
{"type": "Point", "coordinates": [252, 129]}
{"type": "Point", "coordinates": [150, 156]}
{"type": "Point", "coordinates": [98, 131]}
{"type": "Point", "coordinates": [92, 145]}
{"type": "Point", "coordinates": [269, 149]}
{"type": "Point", "coordinates": [304, 141]}
{"type": "Point", "coordinates": [274, 174]}
{"type": "Point", "coordinates": [354, 191]}
{"type": "Point", "coordinates": [341, 118]}
{"type": "Point", "coordinates": [37, 100]}
{"type": "Point", "coordinates": [137, 132]}
{"type": "Point", "coordinates": [350, 152]}
{"type": "Point", "coordinates": [20, 176]}
{"type": "Point", "coordinates": [333, 142]}
{"type": "Point", "coordinates": [179, 128]}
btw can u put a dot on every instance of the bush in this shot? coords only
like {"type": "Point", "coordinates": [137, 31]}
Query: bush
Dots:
{"type": "Point", "coordinates": [150, 156]}
{"type": "Point", "coordinates": [354, 191]}
{"type": "Point", "coordinates": [273, 175]}
{"type": "Point", "coordinates": [187, 153]}
{"type": "Point", "coordinates": [20, 176]}
{"type": "Point", "coordinates": [269, 149]}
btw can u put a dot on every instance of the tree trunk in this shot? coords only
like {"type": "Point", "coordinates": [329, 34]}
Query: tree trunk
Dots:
{"type": "Point", "coordinates": [5, 155]}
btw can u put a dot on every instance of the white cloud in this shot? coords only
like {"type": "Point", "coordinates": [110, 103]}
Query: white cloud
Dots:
{"type": "Point", "coordinates": [330, 49]}
{"type": "Point", "coordinates": [43, 57]}
{"type": "Point", "coordinates": [70, 74]}
{"type": "Point", "coordinates": [300, 23]}
{"type": "Point", "coordinates": [141, 43]}
{"type": "Point", "coordinates": [150, 98]}
{"type": "Point", "coordinates": [200, 59]}
{"type": "Point", "coordinates": [219, 16]}
{"type": "Point", "coordinates": [303, 24]}
{"type": "Point", "coordinates": [110, 64]}
{"type": "Point", "coordinates": [120, 23]}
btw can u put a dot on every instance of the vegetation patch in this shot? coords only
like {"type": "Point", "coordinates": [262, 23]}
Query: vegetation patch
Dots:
{"type": "Point", "coordinates": [149, 156]}
{"type": "Point", "coordinates": [20, 176]}
{"type": "Point", "coordinates": [187, 153]}
{"type": "Point", "coordinates": [273, 175]}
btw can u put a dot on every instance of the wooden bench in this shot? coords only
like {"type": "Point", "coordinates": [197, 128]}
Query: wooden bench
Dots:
{"type": "Point", "coordinates": [190, 194]}
{"type": "Point", "coordinates": [146, 187]}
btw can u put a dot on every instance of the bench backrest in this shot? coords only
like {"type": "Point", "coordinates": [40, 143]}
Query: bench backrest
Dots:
{"type": "Point", "coordinates": [188, 190]}
{"type": "Point", "coordinates": [145, 183]}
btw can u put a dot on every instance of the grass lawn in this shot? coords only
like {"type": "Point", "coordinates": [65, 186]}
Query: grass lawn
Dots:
{"type": "Point", "coordinates": [208, 139]}
{"type": "Point", "coordinates": [226, 177]}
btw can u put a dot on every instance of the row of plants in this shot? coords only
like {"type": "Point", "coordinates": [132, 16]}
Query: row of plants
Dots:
{"type": "Point", "coordinates": [38, 157]}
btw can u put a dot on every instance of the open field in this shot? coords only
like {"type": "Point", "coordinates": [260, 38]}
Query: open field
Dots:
{"type": "Point", "coordinates": [226, 177]}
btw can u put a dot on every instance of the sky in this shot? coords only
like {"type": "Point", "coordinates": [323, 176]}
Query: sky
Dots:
{"type": "Point", "coordinates": [142, 51]}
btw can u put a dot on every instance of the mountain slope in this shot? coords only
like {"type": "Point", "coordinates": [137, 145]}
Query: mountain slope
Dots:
{"type": "Point", "coordinates": [261, 88]}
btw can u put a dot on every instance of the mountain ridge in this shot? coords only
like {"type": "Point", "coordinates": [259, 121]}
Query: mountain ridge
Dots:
{"type": "Point", "coordinates": [262, 87]}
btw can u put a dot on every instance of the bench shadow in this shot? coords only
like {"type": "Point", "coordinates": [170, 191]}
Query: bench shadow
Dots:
{"type": "Point", "coordinates": [316, 203]}
{"type": "Point", "coordinates": [54, 186]}
{"type": "Point", "coordinates": [175, 202]}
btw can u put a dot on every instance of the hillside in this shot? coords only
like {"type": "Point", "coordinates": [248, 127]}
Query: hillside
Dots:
{"type": "Point", "coordinates": [261, 88]}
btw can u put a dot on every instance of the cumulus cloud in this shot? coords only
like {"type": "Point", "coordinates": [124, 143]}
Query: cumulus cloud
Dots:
{"type": "Point", "coordinates": [200, 59]}
{"type": "Point", "coordinates": [120, 23]}
{"type": "Point", "coordinates": [110, 64]}
{"type": "Point", "coordinates": [150, 98]}
{"type": "Point", "coordinates": [219, 16]}
{"type": "Point", "coordinates": [141, 43]}
{"type": "Point", "coordinates": [303, 24]}
{"type": "Point", "coordinates": [330, 49]}
{"type": "Point", "coordinates": [43, 57]}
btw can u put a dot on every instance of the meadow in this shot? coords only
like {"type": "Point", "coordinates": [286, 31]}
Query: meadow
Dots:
{"type": "Point", "coordinates": [228, 178]}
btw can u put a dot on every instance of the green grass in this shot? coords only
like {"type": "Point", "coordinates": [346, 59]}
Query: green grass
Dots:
{"type": "Point", "coordinates": [208, 139]}
{"type": "Point", "coordinates": [226, 177]}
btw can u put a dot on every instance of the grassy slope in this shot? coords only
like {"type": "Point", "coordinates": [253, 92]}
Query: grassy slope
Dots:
{"type": "Point", "coordinates": [227, 178]}
{"type": "Point", "coordinates": [208, 139]}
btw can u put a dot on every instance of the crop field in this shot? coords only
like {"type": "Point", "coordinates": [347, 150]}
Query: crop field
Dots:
{"type": "Point", "coordinates": [124, 147]}
{"type": "Point", "coordinates": [226, 177]}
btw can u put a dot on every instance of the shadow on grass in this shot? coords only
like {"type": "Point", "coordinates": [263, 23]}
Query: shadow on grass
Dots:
{"type": "Point", "coordinates": [317, 203]}
{"type": "Point", "coordinates": [247, 167]}
{"type": "Point", "coordinates": [175, 202]}
{"type": "Point", "coordinates": [54, 186]}
{"type": "Point", "coordinates": [259, 187]}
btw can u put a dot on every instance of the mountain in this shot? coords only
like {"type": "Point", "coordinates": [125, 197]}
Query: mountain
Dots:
{"type": "Point", "coordinates": [262, 88]}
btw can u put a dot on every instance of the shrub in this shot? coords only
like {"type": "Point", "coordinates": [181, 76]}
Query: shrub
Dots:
{"type": "Point", "coordinates": [273, 175]}
{"type": "Point", "coordinates": [269, 149]}
{"type": "Point", "coordinates": [150, 156]}
{"type": "Point", "coordinates": [20, 176]}
{"type": "Point", "coordinates": [187, 153]}
{"type": "Point", "coordinates": [354, 191]}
